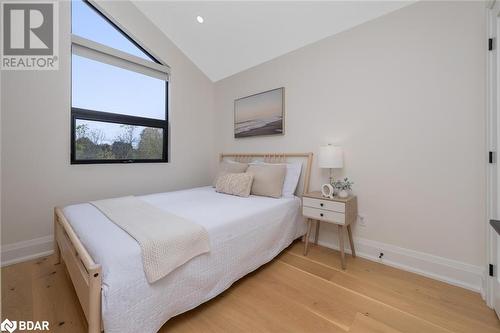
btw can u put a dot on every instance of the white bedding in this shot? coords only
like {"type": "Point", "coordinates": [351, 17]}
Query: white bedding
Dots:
{"type": "Point", "coordinates": [244, 234]}
{"type": "Point", "coordinates": [167, 241]}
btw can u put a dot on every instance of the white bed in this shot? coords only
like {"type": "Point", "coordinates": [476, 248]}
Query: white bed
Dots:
{"type": "Point", "coordinates": [245, 233]}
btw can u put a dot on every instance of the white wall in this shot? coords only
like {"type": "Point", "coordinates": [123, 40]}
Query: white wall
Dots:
{"type": "Point", "coordinates": [36, 174]}
{"type": "Point", "coordinates": [405, 96]}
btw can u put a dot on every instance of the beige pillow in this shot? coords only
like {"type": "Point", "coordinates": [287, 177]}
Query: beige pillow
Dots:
{"type": "Point", "coordinates": [230, 167]}
{"type": "Point", "coordinates": [238, 184]}
{"type": "Point", "coordinates": [267, 179]}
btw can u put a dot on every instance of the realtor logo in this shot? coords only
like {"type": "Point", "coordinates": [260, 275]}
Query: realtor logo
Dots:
{"type": "Point", "coordinates": [30, 36]}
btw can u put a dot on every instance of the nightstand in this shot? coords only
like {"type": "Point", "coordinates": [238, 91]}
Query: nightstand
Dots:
{"type": "Point", "coordinates": [340, 211]}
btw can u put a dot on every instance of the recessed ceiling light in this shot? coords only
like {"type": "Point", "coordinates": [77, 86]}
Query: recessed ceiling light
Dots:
{"type": "Point", "coordinates": [199, 19]}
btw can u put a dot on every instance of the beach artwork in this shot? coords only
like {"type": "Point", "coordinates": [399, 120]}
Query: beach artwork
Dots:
{"type": "Point", "coordinates": [259, 114]}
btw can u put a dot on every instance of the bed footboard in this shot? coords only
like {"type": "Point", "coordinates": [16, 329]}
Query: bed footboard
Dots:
{"type": "Point", "coordinates": [85, 274]}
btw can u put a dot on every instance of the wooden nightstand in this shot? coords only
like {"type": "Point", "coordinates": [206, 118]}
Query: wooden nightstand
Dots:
{"type": "Point", "coordinates": [339, 211]}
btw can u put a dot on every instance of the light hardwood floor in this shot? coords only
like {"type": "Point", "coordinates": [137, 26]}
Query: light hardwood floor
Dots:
{"type": "Point", "coordinates": [293, 293]}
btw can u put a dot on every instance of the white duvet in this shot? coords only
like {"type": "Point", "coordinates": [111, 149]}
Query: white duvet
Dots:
{"type": "Point", "coordinates": [245, 233]}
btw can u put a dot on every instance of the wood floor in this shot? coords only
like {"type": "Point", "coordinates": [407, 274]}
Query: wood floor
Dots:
{"type": "Point", "coordinates": [293, 293]}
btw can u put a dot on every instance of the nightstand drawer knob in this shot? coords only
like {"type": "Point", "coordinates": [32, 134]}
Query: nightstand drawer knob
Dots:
{"type": "Point", "coordinates": [321, 214]}
{"type": "Point", "coordinates": [321, 204]}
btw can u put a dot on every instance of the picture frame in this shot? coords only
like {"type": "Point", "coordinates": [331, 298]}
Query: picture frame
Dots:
{"type": "Point", "coordinates": [261, 114]}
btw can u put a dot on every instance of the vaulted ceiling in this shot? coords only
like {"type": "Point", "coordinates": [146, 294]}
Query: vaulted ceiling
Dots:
{"type": "Point", "coordinates": [237, 35]}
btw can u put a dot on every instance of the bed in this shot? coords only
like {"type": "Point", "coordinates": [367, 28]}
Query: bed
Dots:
{"type": "Point", "coordinates": [104, 262]}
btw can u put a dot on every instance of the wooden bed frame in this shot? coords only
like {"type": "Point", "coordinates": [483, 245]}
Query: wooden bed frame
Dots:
{"type": "Point", "coordinates": [86, 274]}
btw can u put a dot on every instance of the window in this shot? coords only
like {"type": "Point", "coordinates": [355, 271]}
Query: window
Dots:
{"type": "Point", "coordinates": [119, 94]}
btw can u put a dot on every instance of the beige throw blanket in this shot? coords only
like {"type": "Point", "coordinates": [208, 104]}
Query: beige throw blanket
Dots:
{"type": "Point", "coordinates": [167, 241]}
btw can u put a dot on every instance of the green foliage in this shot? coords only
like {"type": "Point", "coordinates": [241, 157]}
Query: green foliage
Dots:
{"type": "Point", "coordinates": [81, 131]}
{"type": "Point", "coordinates": [343, 185]}
{"type": "Point", "coordinates": [122, 150]}
{"type": "Point", "coordinates": [151, 143]}
{"type": "Point", "coordinates": [91, 144]}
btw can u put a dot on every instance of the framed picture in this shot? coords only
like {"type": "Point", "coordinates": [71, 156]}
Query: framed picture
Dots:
{"type": "Point", "coordinates": [260, 114]}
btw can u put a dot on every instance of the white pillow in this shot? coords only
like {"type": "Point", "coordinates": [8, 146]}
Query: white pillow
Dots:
{"type": "Point", "coordinates": [292, 177]}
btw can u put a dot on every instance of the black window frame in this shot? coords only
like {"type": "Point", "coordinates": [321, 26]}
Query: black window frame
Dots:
{"type": "Point", "coordinates": [113, 24]}
{"type": "Point", "coordinates": [122, 119]}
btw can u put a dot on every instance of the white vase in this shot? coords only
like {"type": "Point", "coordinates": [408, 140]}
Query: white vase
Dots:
{"type": "Point", "coordinates": [343, 194]}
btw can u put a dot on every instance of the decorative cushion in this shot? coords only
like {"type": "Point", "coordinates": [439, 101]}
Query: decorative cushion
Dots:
{"type": "Point", "coordinates": [267, 179]}
{"type": "Point", "coordinates": [226, 167]}
{"type": "Point", "coordinates": [238, 184]}
{"type": "Point", "coordinates": [293, 171]}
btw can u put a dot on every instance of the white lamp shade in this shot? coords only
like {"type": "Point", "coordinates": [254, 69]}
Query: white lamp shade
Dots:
{"type": "Point", "coordinates": [331, 157]}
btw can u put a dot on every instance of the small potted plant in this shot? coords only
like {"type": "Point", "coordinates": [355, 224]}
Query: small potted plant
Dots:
{"type": "Point", "coordinates": [343, 187]}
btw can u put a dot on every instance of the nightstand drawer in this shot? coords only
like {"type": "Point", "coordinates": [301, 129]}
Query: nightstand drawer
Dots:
{"type": "Point", "coordinates": [324, 204]}
{"type": "Point", "coordinates": [323, 215]}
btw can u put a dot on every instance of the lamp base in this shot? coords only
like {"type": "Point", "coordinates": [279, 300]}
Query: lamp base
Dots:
{"type": "Point", "coordinates": [331, 176]}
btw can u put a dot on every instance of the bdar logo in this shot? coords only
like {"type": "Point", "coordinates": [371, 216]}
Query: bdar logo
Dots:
{"type": "Point", "coordinates": [8, 325]}
{"type": "Point", "coordinates": [24, 325]}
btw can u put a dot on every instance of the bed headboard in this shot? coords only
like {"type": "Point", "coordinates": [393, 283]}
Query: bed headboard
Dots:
{"type": "Point", "coordinates": [304, 158]}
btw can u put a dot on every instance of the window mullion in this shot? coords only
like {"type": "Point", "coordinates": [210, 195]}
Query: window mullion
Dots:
{"type": "Point", "coordinates": [117, 118]}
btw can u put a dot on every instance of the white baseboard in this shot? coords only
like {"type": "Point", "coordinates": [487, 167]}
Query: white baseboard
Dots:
{"type": "Point", "coordinates": [450, 271]}
{"type": "Point", "coordinates": [27, 250]}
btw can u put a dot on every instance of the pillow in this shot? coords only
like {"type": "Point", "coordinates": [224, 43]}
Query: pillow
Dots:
{"type": "Point", "coordinates": [238, 184]}
{"type": "Point", "coordinates": [267, 179]}
{"type": "Point", "coordinates": [226, 167]}
{"type": "Point", "coordinates": [292, 177]}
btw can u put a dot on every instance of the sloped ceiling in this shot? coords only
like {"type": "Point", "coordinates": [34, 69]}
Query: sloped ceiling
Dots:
{"type": "Point", "coordinates": [237, 35]}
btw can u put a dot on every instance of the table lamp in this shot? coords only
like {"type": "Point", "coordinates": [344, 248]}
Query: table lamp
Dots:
{"type": "Point", "coordinates": [331, 157]}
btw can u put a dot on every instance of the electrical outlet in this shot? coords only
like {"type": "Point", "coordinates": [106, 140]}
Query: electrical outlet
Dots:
{"type": "Point", "coordinates": [362, 220]}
